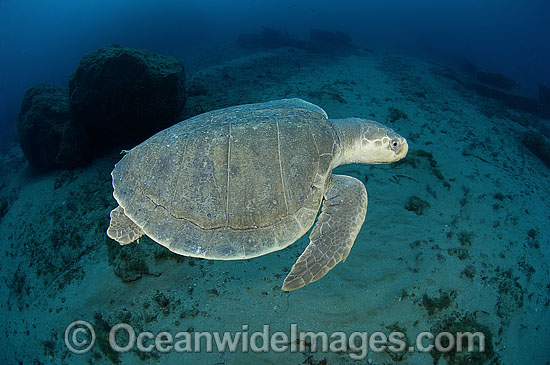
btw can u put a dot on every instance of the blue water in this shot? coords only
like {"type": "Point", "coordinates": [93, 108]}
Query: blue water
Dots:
{"type": "Point", "coordinates": [43, 41]}
{"type": "Point", "coordinates": [456, 235]}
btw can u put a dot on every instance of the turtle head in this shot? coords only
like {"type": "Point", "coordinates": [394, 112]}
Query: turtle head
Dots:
{"type": "Point", "coordinates": [368, 142]}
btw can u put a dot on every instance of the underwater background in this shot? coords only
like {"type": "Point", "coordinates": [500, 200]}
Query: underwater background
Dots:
{"type": "Point", "coordinates": [457, 234]}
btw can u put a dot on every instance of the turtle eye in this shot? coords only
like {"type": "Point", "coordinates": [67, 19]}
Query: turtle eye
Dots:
{"type": "Point", "coordinates": [394, 144]}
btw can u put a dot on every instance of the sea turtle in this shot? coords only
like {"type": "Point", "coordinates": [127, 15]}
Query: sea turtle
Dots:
{"type": "Point", "coordinates": [248, 180]}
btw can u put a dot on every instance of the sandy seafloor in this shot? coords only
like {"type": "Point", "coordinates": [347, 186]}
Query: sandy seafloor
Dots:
{"type": "Point", "coordinates": [477, 257]}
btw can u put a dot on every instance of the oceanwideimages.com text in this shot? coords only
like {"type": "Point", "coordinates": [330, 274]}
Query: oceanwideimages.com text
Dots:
{"type": "Point", "coordinates": [80, 338]}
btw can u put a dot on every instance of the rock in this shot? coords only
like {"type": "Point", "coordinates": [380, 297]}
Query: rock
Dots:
{"type": "Point", "coordinates": [515, 100]}
{"type": "Point", "coordinates": [4, 207]}
{"type": "Point", "coordinates": [269, 38]}
{"type": "Point", "coordinates": [544, 101]}
{"type": "Point", "coordinates": [318, 35]}
{"type": "Point", "coordinates": [320, 41]}
{"type": "Point", "coordinates": [468, 67]}
{"type": "Point", "coordinates": [123, 96]}
{"type": "Point", "coordinates": [538, 145]}
{"type": "Point", "coordinates": [502, 88]}
{"type": "Point", "coordinates": [334, 43]}
{"type": "Point", "coordinates": [196, 89]}
{"type": "Point", "coordinates": [417, 205]}
{"type": "Point", "coordinates": [47, 135]}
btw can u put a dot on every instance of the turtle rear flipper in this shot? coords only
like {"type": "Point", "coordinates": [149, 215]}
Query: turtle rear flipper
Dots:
{"type": "Point", "coordinates": [343, 213]}
{"type": "Point", "coordinates": [122, 229]}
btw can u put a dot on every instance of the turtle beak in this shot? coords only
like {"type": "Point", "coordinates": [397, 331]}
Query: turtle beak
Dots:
{"type": "Point", "coordinates": [405, 148]}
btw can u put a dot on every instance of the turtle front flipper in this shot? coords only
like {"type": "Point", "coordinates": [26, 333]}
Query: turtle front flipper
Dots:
{"type": "Point", "coordinates": [343, 213]}
{"type": "Point", "coordinates": [122, 229]}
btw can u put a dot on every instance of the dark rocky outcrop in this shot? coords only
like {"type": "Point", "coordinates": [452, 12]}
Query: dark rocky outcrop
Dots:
{"type": "Point", "coordinates": [338, 43]}
{"type": "Point", "coordinates": [538, 145]}
{"type": "Point", "coordinates": [544, 100]}
{"type": "Point", "coordinates": [515, 100]}
{"type": "Point", "coordinates": [468, 67]}
{"type": "Point", "coordinates": [196, 89]}
{"type": "Point", "coordinates": [117, 97]}
{"type": "Point", "coordinates": [269, 38]}
{"type": "Point", "coordinates": [122, 96]}
{"type": "Point", "coordinates": [320, 41]}
{"type": "Point", "coordinates": [500, 87]}
{"type": "Point", "coordinates": [47, 135]}
{"type": "Point", "coordinates": [496, 80]}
